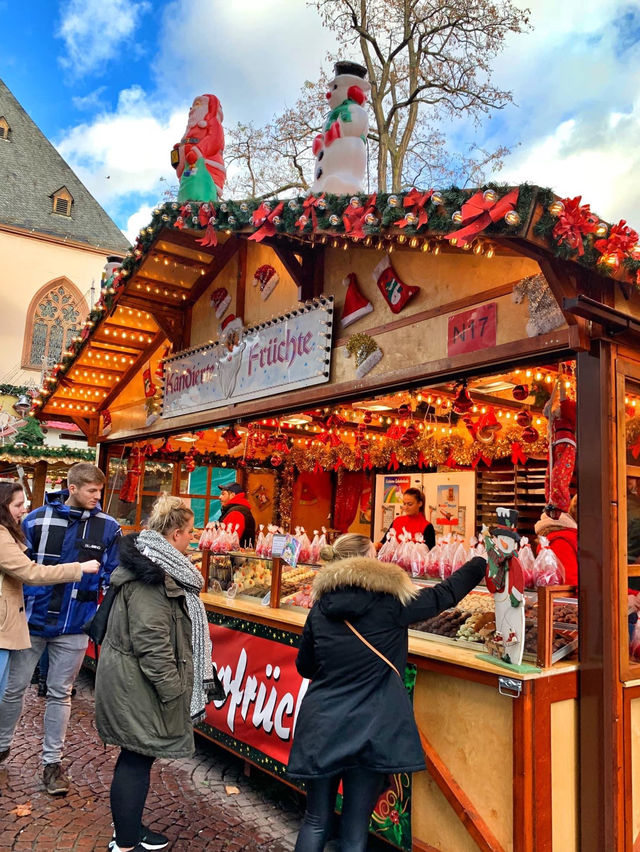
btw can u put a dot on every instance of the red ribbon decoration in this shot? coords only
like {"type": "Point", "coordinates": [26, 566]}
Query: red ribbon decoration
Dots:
{"type": "Point", "coordinates": [422, 462]}
{"type": "Point", "coordinates": [619, 243]}
{"type": "Point", "coordinates": [262, 216]}
{"type": "Point", "coordinates": [179, 223]}
{"type": "Point", "coordinates": [354, 218]}
{"type": "Point", "coordinates": [317, 468]}
{"type": "Point", "coordinates": [481, 457]}
{"type": "Point", "coordinates": [210, 236]}
{"type": "Point", "coordinates": [205, 212]}
{"type": "Point", "coordinates": [367, 464]}
{"type": "Point", "coordinates": [393, 462]}
{"type": "Point", "coordinates": [517, 454]}
{"type": "Point", "coordinates": [573, 222]}
{"type": "Point", "coordinates": [477, 213]}
{"type": "Point", "coordinates": [416, 201]}
{"type": "Point", "coordinates": [309, 206]}
{"type": "Point", "coordinates": [451, 462]}
{"type": "Point", "coordinates": [339, 462]}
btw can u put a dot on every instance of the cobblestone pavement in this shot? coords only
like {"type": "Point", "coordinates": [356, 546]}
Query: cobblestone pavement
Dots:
{"type": "Point", "coordinates": [187, 799]}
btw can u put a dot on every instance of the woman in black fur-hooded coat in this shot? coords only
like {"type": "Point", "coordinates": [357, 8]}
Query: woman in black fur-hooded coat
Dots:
{"type": "Point", "coordinates": [356, 721]}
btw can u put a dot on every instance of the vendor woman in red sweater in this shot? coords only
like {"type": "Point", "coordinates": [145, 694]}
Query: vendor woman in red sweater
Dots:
{"type": "Point", "coordinates": [412, 519]}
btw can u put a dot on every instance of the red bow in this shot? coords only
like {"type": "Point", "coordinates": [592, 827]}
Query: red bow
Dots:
{"type": "Point", "coordinates": [481, 457]}
{"type": "Point", "coordinates": [393, 462]}
{"type": "Point", "coordinates": [618, 244]}
{"type": "Point", "coordinates": [451, 462]}
{"type": "Point", "coordinates": [354, 217]}
{"type": "Point", "coordinates": [339, 462]}
{"type": "Point", "coordinates": [179, 223]}
{"type": "Point", "coordinates": [210, 236]}
{"type": "Point", "coordinates": [309, 206]}
{"type": "Point", "coordinates": [317, 468]}
{"type": "Point", "coordinates": [477, 213]}
{"type": "Point", "coordinates": [185, 210]}
{"type": "Point", "coordinates": [573, 222]}
{"type": "Point", "coordinates": [422, 462]}
{"type": "Point", "coordinates": [205, 212]}
{"type": "Point", "coordinates": [367, 464]}
{"type": "Point", "coordinates": [416, 201]}
{"type": "Point", "coordinates": [264, 217]}
{"type": "Point", "coordinates": [517, 454]}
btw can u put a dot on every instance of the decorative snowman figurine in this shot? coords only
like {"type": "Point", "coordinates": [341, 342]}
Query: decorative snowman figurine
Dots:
{"type": "Point", "coordinates": [505, 580]}
{"type": "Point", "coordinates": [341, 149]}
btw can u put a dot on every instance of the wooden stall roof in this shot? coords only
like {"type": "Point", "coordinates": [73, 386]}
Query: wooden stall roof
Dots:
{"type": "Point", "coordinates": [185, 247]}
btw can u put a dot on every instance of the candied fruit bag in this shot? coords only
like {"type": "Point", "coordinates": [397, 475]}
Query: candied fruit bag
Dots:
{"type": "Point", "coordinates": [548, 569]}
{"type": "Point", "coordinates": [527, 560]}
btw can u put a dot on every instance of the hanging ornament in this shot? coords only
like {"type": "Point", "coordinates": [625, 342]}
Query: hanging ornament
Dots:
{"type": "Point", "coordinates": [523, 418]}
{"type": "Point", "coordinates": [410, 436]}
{"type": "Point", "coordinates": [520, 392]}
{"type": "Point", "coordinates": [396, 293]}
{"type": "Point", "coordinates": [404, 410]}
{"type": "Point", "coordinates": [220, 301]}
{"type": "Point", "coordinates": [231, 437]}
{"type": "Point", "coordinates": [487, 427]}
{"type": "Point", "coordinates": [530, 435]}
{"type": "Point", "coordinates": [366, 351]}
{"type": "Point", "coordinates": [267, 277]}
{"type": "Point", "coordinates": [277, 459]}
{"type": "Point", "coordinates": [356, 305]}
{"type": "Point", "coordinates": [368, 417]}
{"type": "Point", "coordinates": [463, 402]}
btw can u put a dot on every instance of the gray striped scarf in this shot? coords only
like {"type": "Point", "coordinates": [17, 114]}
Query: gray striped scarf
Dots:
{"type": "Point", "coordinates": [156, 548]}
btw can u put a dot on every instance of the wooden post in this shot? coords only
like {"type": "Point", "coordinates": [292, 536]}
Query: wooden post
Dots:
{"type": "Point", "coordinates": [39, 482]}
{"type": "Point", "coordinates": [276, 577]}
{"type": "Point", "coordinates": [600, 740]}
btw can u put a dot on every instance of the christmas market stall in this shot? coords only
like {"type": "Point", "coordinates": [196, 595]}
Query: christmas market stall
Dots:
{"type": "Point", "coordinates": [326, 353]}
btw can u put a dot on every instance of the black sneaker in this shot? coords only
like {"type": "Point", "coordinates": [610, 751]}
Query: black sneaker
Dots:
{"type": "Point", "coordinates": [113, 847]}
{"type": "Point", "coordinates": [4, 754]}
{"type": "Point", "coordinates": [150, 840]}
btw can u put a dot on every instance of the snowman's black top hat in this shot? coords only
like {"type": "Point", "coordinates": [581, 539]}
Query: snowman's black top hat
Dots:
{"type": "Point", "coordinates": [346, 67]}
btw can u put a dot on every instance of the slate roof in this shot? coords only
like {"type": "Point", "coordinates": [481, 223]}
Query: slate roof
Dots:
{"type": "Point", "coordinates": [31, 170]}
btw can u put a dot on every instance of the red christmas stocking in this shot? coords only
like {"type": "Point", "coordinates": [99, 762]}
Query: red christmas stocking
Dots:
{"type": "Point", "coordinates": [395, 291]}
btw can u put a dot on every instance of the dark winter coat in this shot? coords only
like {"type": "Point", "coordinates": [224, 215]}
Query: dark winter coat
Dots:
{"type": "Point", "coordinates": [357, 712]}
{"type": "Point", "coordinates": [144, 678]}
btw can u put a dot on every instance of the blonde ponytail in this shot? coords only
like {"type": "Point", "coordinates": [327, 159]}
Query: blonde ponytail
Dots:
{"type": "Point", "coordinates": [168, 514]}
{"type": "Point", "coordinates": [347, 545]}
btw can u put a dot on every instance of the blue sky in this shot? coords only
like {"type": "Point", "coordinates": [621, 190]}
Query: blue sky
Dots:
{"type": "Point", "coordinates": [110, 83]}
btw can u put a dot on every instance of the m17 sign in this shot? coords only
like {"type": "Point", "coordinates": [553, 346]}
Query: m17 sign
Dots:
{"type": "Point", "coordinates": [472, 330]}
{"type": "Point", "coordinates": [292, 351]}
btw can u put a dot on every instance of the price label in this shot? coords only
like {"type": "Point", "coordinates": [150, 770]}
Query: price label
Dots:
{"type": "Point", "coordinates": [278, 544]}
{"type": "Point", "coordinates": [472, 330]}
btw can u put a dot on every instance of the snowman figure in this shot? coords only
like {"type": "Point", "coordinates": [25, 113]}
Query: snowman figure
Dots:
{"type": "Point", "coordinates": [505, 580]}
{"type": "Point", "coordinates": [341, 149]}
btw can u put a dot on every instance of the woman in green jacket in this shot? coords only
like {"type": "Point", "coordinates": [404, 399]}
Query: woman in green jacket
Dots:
{"type": "Point", "coordinates": [155, 668]}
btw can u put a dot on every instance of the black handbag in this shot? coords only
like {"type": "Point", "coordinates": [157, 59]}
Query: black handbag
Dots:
{"type": "Point", "coordinates": [96, 627]}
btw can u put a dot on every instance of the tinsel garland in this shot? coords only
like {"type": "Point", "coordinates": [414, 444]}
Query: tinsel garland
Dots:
{"type": "Point", "coordinates": [69, 455]}
{"type": "Point", "coordinates": [284, 496]}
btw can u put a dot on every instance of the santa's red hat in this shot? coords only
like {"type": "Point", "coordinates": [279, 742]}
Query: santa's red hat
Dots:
{"type": "Point", "coordinates": [230, 324]}
{"type": "Point", "coordinates": [220, 301]}
{"type": "Point", "coordinates": [267, 277]}
{"type": "Point", "coordinates": [355, 304]}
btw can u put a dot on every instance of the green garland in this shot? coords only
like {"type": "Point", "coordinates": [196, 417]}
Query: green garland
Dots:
{"type": "Point", "coordinates": [237, 216]}
{"type": "Point", "coordinates": [40, 453]}
{"type": "Point", "coordinates": [13, 390]}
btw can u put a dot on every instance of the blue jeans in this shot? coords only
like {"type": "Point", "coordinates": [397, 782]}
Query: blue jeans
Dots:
{"type": "Point", "coordinates": [360, 791]}
{"type": "Point", "coordinates": [66, 654]}
{"type": "Point", "coordinates": [5, 657]}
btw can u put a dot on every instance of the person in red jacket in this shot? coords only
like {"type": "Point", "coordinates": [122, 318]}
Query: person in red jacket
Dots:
{"type": "Point", "coordinates": [562, 533]}
{"type": "Point", "coordinates": [236, 511]}
{"type": "Point", "coordinates": [412, 519]}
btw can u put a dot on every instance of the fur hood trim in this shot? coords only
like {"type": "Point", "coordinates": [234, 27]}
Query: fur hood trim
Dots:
{"type": "Point", "coordinates": [141, 567]}
{"type": "Point", "coordinates": [365, 573]}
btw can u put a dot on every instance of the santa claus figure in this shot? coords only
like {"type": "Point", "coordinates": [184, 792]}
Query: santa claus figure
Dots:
{"type": "Point", "coordinates": [203, 140]}
{"type": "Point", "coordinates": [340, 150]}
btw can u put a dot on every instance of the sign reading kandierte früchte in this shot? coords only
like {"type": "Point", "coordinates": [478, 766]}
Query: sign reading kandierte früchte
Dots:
{"type": "Point", "coordinates": [288, 352]}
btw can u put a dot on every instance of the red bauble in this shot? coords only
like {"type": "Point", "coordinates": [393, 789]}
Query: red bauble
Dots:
{"type": "Point", "coordinates": [523, 418]}
{"type": "Point", "coordinates": [520, 392]}
{"type": "Point", "coordinates": [361, 427]}
{"type": "Point", "coordinates": [463, 402]}
{"type": "Point", "coordinates": [277, 459]}
{"type": "Point", "coordinates": [404, 410]}
{"type": "Point", "coordinates": [368, 417]}
{"type": "Point", "coordinates": [530, 435]}
{"type": "Point", "coordinates": [410, 436]}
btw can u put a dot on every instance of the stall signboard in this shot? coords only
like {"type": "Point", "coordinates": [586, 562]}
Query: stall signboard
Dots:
{"type": "Point", "coordinates": [472, 330]}
{"type": "Point", "coordinates": [264, 691]}
{"type": "Point", "coordinates": [291, 351]}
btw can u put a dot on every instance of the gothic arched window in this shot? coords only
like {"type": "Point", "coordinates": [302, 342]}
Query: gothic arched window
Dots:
{"type": "Point", "coordinates": [54, 318]}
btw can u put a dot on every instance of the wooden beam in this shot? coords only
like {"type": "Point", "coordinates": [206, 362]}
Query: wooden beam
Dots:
{"type": "Point", "coordinates": [223, 255]}
{"type": "Point", "coordinates": [133, 369]}
{"type": "Point", "coordinates": [39, 483]}
{"type": "Point", "coordinates": [303, 273]}
{"type": "Point", "coordinates": [461, 804]}
{"type": "Point", "coordinates": [524, 805]}
{"type": "Point", "coordinates": [241, 279]}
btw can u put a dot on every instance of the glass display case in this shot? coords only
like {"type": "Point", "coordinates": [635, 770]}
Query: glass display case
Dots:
{"type": "Point", "coordinates": [245, 575]}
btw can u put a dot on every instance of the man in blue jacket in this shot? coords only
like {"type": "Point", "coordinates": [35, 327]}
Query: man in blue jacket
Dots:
{"type": "Point", "coordinates": [70, 527]}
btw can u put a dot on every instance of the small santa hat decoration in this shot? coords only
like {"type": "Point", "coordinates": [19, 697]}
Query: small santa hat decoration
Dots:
{"type": "Point", "coordinates": [366, 350]}
{"type": "Point", "coordinates": [106, 422]}
{"type": "Point", "coordinates": [229, 325]}
{"type": "Point", "coordinates": [355, 304]}
{"type": "Point", "coordinates": [267, 278]}
{"type": "Point", "coordinates": [220, 301]}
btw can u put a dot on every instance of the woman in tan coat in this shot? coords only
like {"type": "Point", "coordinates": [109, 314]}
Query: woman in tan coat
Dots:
{"type": "Point", "coordinates": [15, 569]}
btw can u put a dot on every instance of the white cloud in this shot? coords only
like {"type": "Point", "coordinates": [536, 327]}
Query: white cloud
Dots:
{"type": "Point", "coordinates": [94, 30]}
{"type": "Point", "coordinates": [128, 151]}
{"type": "Point", "coordinates": [138, 220]}
{"type": "Point", "coordinates": [253, 55]}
